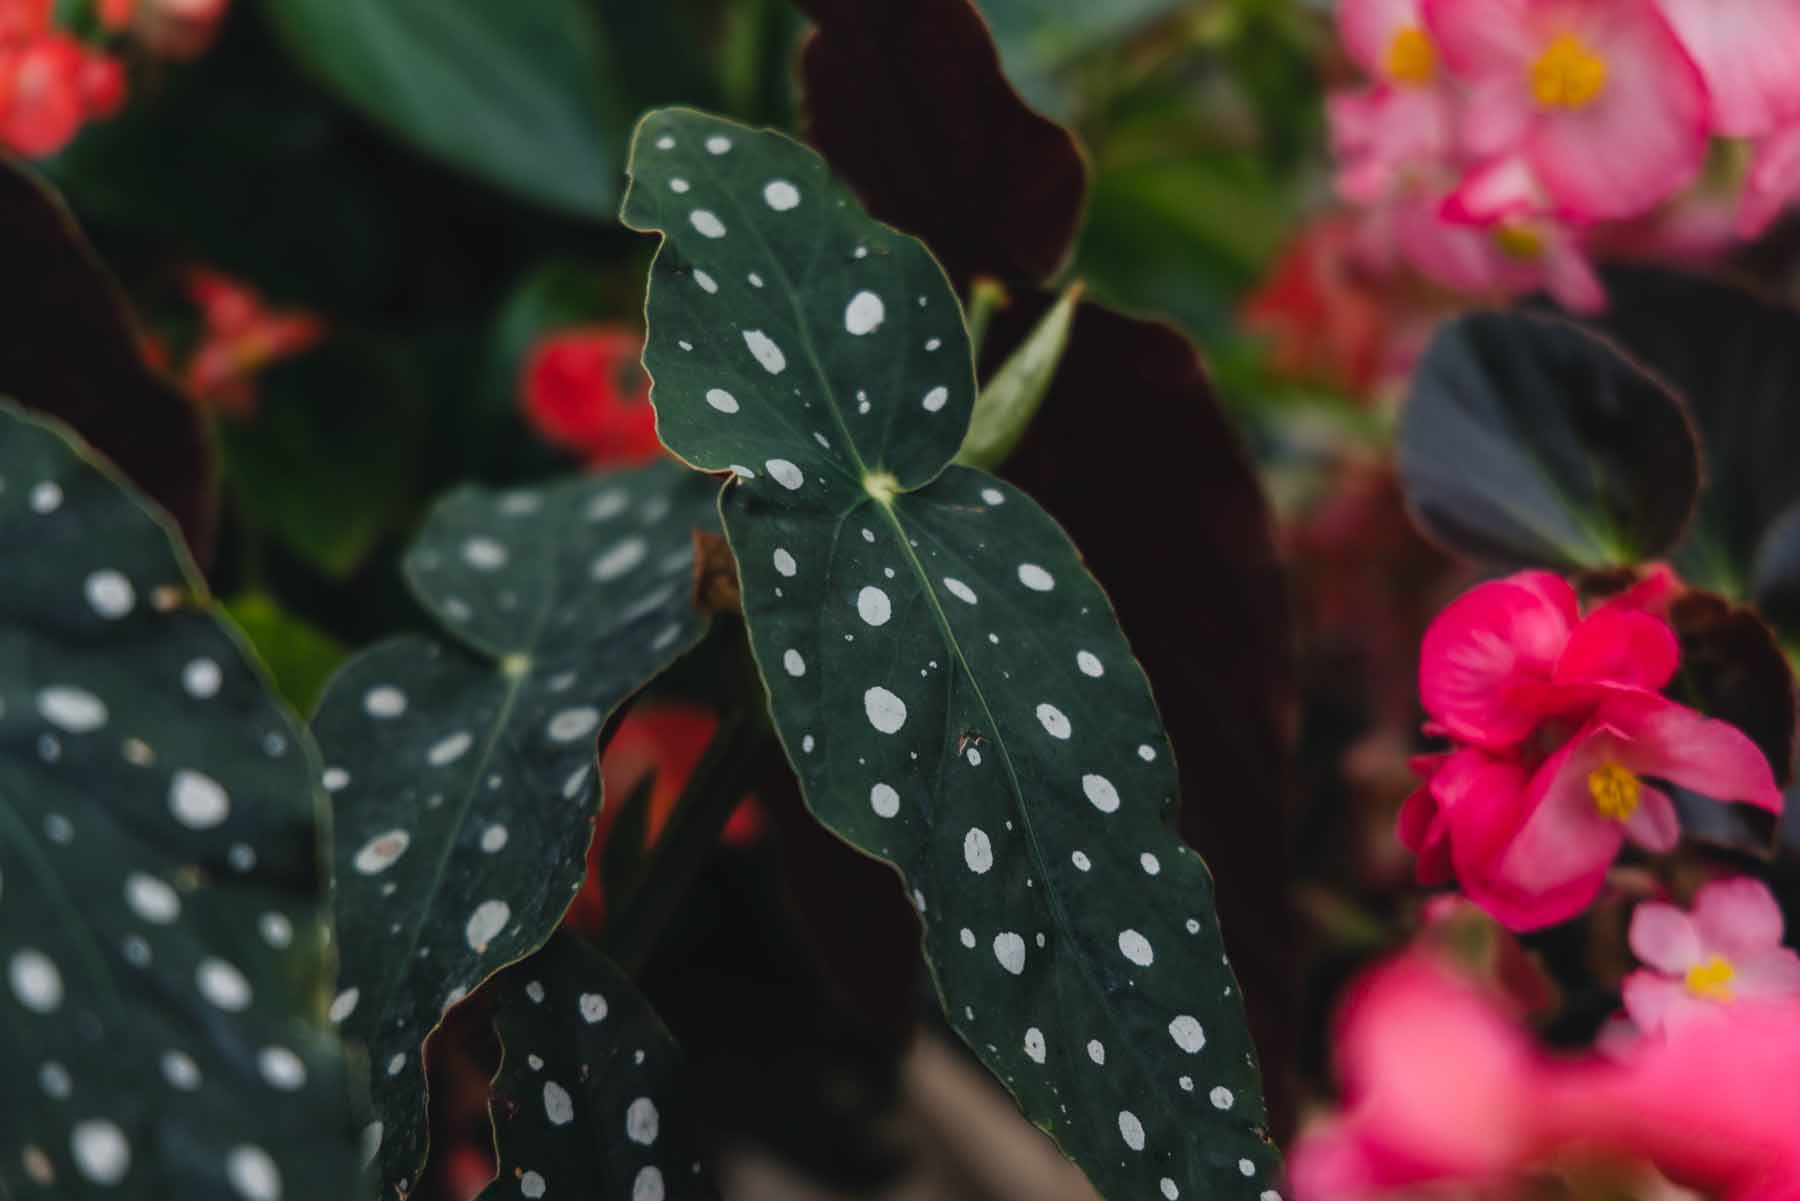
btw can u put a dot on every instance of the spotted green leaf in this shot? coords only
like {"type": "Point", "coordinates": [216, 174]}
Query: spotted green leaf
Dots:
{"type": "Point", "coordinates": [162, 904]}
{"type": "Point", "coordinates": [949, 682]}
{"type": "Point", "coordinates": [462, 771]}
{"type": "Point", "coordinates": [584, 1104]}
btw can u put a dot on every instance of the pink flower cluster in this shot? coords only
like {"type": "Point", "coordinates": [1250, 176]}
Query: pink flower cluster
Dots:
{"type": "Point", "coordinates": [1558, 727]}
{"type": "Point", "coordinates": [1497, 135]}
{"type": "Point", "coordinates": [1444, 1087]}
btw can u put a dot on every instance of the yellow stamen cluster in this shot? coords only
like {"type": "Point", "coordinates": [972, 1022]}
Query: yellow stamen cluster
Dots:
{"type": "Point", "coordinates": [1615, 790]}
{"type": "Point", "coordinates": [1711, 981]}
{"type": "Point", "coordinates": [1517, 240]}
{"type": "Point", "coordinates": [1410, 58]}
{"type": "Point", "coordinates": [1567, 74]}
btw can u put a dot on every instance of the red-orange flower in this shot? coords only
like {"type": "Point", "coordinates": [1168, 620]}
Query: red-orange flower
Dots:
{"type": "Point", "coordinates": [241, 338]}
{"type": "Point", "coordinates": [583, 389]}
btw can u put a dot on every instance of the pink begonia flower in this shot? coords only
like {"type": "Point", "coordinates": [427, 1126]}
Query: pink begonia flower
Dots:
{"type": "Point", "coordinates": [1773, 182]}
{"type": "Point", "coordinates": [1749, 53]}
{"type": "Point", "coordinates": [1442, 1086]}
{"type": "Point", "coordinates": [1595, 98]}
{"type": "Point", "coordinates": [1509, 653]}
{"type": "Point", "coordinates": [1536, 854]}
{"type": "Point", "coordinates": [1726, 949]}
{"type": "Point", "coordinates": [1406, 117]}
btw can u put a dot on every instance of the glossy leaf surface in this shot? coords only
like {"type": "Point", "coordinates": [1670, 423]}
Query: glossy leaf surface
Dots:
{"type": "Point", "coordinates": [164, 934]}
{"type": "Point", "coordinates": [586, 1101]}
{"type": "Point", "coordinates": [463, 771]}
{"type": "Point", "coordinates": [948, 681]}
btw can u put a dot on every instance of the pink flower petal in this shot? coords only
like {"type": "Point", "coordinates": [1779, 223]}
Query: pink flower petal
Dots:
{"type": "Point", "coordinates": [1492, 639]}
{"type": "Point", "coordinates": [1768, 973]}
{"type": "Point", "coordinates": [1620, 646]}
{"type": "Point", "coordinates": [1659, 1003]}
{"type": "Point", "coordinates": [1481, 37]}
{"type": "Point", "coordinates": [1654, 824]}
{"type": "Point", "coordinates": [1773, 182]}
{"type": "Point", "coordinates": [1644, 134]}
{"type": "Point", "coordinates": [1556, 864]}
{"type": "Point", "coordinates": [1570, 276]}
{"type": "Point", "coordinates": [1737, 917]}
{"type": "Point", "coordinates": [1749, 53]}
{"type": "Point", "coordinates": [1674, 743]}
{"type": "Point", "coordinates": [1664, 937]}
{"type": "Point", "coordinates": [1367, 28]}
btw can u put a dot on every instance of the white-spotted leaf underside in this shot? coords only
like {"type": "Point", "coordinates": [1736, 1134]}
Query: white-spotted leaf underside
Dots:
{"type": "Point", "coordinates": [585, 1103]}
{"type": "Point", "coordinates": [950, 683]}
{"type": "Point", "coordinates": [463, 772]}
{"type": "Point", "coordinates": [163, 928]}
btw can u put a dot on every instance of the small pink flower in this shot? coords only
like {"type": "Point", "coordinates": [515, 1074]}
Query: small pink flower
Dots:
{"type": "Point", "coordinates": [1726, 949]}
{"type": "Point", "coordinates": [1749, 53]}
{"type": "Point", "coordinates": [1595, 98]}
{"type": "Point", "coordinates": [1406, 118]}
{"type": "Point", "coordinates": [1591, 795]}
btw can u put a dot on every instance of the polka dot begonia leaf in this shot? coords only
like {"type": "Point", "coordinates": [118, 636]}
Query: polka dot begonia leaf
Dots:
{"type": "Point", "coordinates": [163, 921]}
{"type": "Point", "coordinates": [949, 682]}
{"type": "Point", "coordinates": [585, 1103]}
{"type": "Point", "coordinates": [463, 772]}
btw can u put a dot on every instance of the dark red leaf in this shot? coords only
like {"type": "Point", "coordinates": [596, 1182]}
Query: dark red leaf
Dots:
{"type": "Point", "coordinates": [907, 101]}
{"type": "Point", "coordinates": [72, 349]}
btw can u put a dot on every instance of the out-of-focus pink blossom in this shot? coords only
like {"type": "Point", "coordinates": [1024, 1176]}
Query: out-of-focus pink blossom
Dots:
{"type": "Point", "coordinates": [1749, 53]}
{"type": "Point", "coordinates": [1442, 1086]}
{"type": "Point", "coordinates": [1597, 99]}
{"type": "Point", "coordinates": [1726, 949]}
{"type": "Point", "coordinates": [1773, 182]}
{"type": "Point", "coordinates": [1504, 258]}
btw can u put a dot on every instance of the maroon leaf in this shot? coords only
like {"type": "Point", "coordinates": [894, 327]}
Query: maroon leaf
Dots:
{"type": "Point", "coordinates": [1133, 456]}
{"type": "Point", "coordinates": [907, 101]}
{"type": "Point", "coordinates": [1734, 670]}
{"type": "Point", "coordinates": [72, 350]}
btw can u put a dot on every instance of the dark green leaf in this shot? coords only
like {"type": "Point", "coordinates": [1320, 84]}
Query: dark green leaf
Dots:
{"type": "Point", "coordinates": [586, 1101]}
{"type": "Point", "coordinates": [518, 94]}
{"type": "Point", "coordinates": [464, 772]}
{"type": "Point", "coordinates": [1735, 359]}
{"type": "Point", "coordinates": [949, 682]}
{"type": "Point", "coordinates": [73, 350]}
{"type": "Point", "coordinates": [1529, 441]}
{"type": "Point", "coordinates": [165, 934]}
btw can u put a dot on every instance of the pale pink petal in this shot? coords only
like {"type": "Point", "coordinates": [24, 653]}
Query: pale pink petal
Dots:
{"type": "Point", "coordinates": [1773, 182]}
{"type": "Point", "coordinates": [1674, 743]}
{"type": "Point", "coordinates": [1768, 973]}
{"type": "Point", "coordinates": [1654, 825]}
{"type": "Point", "coordinates": [1663, 936]}
{"type": "Point", "coordinates": [1490, 640]}
{"type": "Point", "coordinates": [1659, 1003]}
{"type": "Point", "coordinates": [1367, 28]}
{"type": "Point", "coordinates": [1642, 137]}
{"type": "Point", "coordinates": [1749, 52]}
{"type": "Point", "coordinates": [1556, 864]}
{"type": "Point", "coordinates": [1481, 37]}
{"type": "Point", "coordinates": [1570, 276]}
{"type": "Point", "coordinates": [1737, 917]}
{"type": "Point", "coordinates": [1497, 114]}
{"type": "Point", "coordinates": [1500, 187]}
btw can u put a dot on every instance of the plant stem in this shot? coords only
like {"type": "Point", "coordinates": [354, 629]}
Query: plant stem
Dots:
{"type": "Point", "coordinates": [740, 755]}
